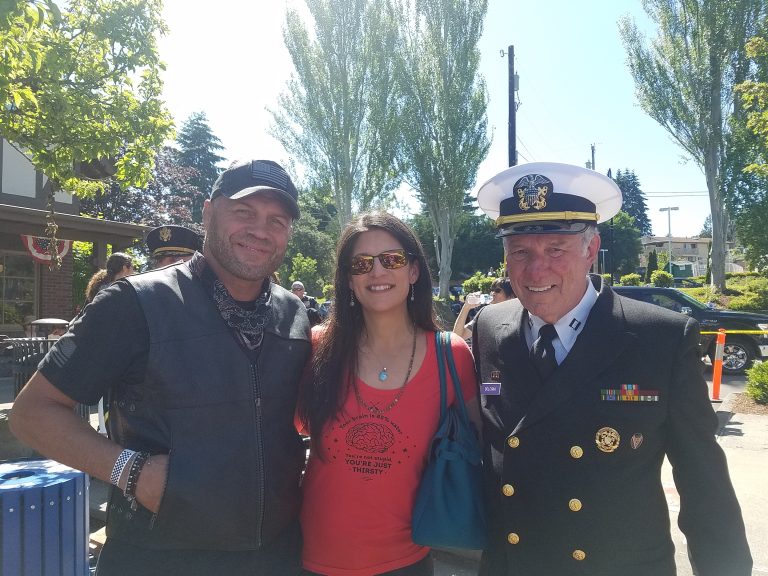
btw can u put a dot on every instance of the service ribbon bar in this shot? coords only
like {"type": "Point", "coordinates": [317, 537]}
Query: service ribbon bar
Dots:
{"type": "Point", "coordinates": [628, 393]}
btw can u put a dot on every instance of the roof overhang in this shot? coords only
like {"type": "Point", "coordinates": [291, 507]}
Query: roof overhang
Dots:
{"type": "Point", "coordinates": [33, 221]}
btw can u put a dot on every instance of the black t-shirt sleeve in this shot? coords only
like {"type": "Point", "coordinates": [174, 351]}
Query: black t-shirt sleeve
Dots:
{"type": "Point", "coordinates": [107, 345]}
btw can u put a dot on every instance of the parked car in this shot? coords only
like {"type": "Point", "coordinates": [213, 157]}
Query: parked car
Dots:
{"type": "Point", "coordinates": [741, 350]}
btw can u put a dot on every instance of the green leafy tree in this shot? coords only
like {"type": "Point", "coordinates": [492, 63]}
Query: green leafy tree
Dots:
{"type": "Point", "coordinates": [749, 199]}
{"type": "Point", "coordinates": [165, 199]}
{"type": "Point", "coordinates": [80, 89]}
{"type": "Point", "coordinates": [478, 282]}
{"type": "Point", "coordinates": [82, 269]}
{"type": "Point", "coordinates": [339, 113]}
{"type": "Point", "coordinates": [663, 261]}
{"type": "Point", "coordinates": [625, 248]}
{"type": "Point", "coordinates": [684, 80]}
{"type": "Point", "coordinates": [634, 200]}
{"type": "Point", "coordinates": [476, 246]}
{"type": "Point", "coordinates": [198, 147]}
{"type": "Point", "coordinates": [304, 269]}
{"type": "Point", "coordinates": [706, 228]}
{"type": "Point", "coordinates": [312, 238]}
{"type": "Point", "coordinates": [653, 265]}
{"type": "Point", "coordinates": [444, 115]}
{"type": "Point", "coordinates": [630, 280]}
{"type": "Point", "coordinates": [661, 278]}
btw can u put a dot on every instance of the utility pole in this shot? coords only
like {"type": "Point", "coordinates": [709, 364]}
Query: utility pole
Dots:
{"type": "Point", "coordinates": [512, 81]}
{"type": "Point", "coordinates": [668, 210]}
{"type": "Point", "coordinates": [593, 157]}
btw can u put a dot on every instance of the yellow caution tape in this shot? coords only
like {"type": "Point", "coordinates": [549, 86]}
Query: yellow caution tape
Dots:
{"type": "Point", "coordinates": [739, 332]}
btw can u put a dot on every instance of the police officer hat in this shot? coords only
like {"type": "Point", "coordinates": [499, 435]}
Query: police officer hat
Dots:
{"type": "Point", "coordinates": [548, 198]}
{"type": "Point", "coordinates": [172, 240]}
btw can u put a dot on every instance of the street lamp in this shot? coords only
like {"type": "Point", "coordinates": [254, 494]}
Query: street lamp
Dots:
{"type": "Point", "coordinates": [602, 259]}
{"type": "Point", "coordinates": [668, 210]}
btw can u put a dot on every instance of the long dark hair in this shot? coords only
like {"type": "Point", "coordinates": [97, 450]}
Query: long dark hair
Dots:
{"type": "Point", "coordinates": [105, 277]}
{"type": "Point", "coordinates": [334, 357]}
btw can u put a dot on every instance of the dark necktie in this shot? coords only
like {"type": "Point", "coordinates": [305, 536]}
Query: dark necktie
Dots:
{"type": "Point", "coordinates": [543, 352]}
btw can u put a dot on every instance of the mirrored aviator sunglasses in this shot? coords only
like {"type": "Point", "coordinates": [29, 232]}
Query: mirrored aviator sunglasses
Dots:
{"type": "Point", "coordinates": [391, 260]}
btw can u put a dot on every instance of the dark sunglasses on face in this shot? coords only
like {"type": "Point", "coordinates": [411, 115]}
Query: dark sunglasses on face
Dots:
{"type": "Point", "coordinates": [391, 260]}
{"type": "Point", "coordinates": [496, 290]}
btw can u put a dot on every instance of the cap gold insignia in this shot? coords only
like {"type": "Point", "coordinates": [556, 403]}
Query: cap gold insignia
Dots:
{"type": "Point", "coordinates": [165, 234]}
{"type": "Point", "coordinates": [636, 440]}
{"type": "Point", "coordinates": [607, 439]}
{"type": "Point", "coordinates": [532, 189]}
{"type": "Point", "coordinates": [495, 375]}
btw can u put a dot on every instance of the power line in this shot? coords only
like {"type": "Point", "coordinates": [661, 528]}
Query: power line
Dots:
{"type": "Point", "coordinates": [526, 148]}
{"type": "Point", "coordinates": [673, 192]}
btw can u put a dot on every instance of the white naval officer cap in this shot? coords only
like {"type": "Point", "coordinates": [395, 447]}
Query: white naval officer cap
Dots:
{"type": "Point", "coordinates": [548, 198]}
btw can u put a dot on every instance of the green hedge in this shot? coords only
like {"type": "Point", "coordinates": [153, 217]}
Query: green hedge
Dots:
{"type": "Point", "coordinates": [757, 382]}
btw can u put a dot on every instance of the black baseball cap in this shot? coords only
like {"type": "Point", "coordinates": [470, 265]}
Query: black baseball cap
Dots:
{"type": "Point", "coordinates": [246, 177]}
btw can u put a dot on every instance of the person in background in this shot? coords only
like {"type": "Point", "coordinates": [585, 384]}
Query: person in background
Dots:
{"type": "Point", "coordinates": [171, 244]}
{"type": "Point", "coordinates": [585, 394]}
{"type": "Point", "coordinates": [309, 302]}
{"type": "Point", "coordinates": [372, 404]}
{"type": "Point", "coordinates": [119, 265]}
{"type": "Point", "coordinates": [501, 291]}
{"type": "Point", "coordinates": [202, 376]}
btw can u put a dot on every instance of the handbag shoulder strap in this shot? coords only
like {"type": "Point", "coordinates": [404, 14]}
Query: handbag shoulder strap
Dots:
{"type": "Point", "coordinates": [441, 371]}
{"type": "Point", "coordinates": [447, 355]}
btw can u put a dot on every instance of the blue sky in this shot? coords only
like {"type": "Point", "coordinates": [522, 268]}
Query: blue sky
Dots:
{"type": "Point", "coordinates": [575, 90]}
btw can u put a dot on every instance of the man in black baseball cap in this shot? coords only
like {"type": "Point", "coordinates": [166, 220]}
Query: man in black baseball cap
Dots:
{"type": "Point", "coordinates": [201, 360]}
{"type": "Point", "coordinates": [247, 177]}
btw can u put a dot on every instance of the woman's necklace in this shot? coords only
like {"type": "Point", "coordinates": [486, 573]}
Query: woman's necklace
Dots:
{"type": "Point", "coordinates": [376, 409]}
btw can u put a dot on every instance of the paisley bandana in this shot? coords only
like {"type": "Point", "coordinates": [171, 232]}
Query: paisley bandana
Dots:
{"type": "Point", "coordinates": [248, 323]}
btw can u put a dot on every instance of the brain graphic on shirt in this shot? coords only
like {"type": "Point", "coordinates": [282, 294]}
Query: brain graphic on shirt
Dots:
{"type": "Point", "coordinates": [370, 437]}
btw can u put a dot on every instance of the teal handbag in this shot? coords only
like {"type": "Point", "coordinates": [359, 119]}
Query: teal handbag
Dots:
{"type": "Point", "coordinates": [450, 506]}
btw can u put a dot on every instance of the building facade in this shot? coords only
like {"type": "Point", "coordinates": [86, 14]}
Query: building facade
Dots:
{"type": "Point", "coordinates": [28, 288]}
{"type": "Point", "coordinates": [689, 255]}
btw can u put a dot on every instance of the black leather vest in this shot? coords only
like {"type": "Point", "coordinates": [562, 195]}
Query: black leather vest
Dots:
{"type": "Point", "coordinates": [226, 421]}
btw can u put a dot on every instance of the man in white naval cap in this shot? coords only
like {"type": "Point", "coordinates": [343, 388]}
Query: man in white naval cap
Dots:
{"type": "Point", "coordinates": [584, 394]}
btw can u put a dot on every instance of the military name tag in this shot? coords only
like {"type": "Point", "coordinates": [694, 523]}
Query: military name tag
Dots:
{"type": "Point", "coordinates": [490, 388]}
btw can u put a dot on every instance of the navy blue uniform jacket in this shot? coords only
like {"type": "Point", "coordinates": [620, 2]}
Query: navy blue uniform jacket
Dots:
{"type": "Point", "coordinates": [560, 505]}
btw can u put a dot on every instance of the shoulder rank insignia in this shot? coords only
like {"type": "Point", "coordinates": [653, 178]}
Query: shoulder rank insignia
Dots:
{"type": "Point", "coordinates": [607, 439]}
{"type": "Point", "coordinates": [628, 393]}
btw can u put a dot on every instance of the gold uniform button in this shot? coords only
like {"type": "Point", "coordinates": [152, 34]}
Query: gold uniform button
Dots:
{"type": "Point", "coordinates": [574, 504]}
{"type": "Point", "coordinates": [507, 490]}
{"type": "Point", "coordinates": [513, 538]}
{"type": "Point", "coordinates": [579, 555]}
{"type": "Point", "coordinates": [577, 452]}
{"type": "Point", "coordinates": [513, 441]}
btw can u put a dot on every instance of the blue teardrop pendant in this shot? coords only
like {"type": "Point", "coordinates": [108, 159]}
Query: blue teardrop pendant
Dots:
{"type": "Point", "coordinates": [383, 375]}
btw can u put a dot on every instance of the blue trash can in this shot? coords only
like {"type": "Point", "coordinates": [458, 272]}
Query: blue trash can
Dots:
{"type": "Point", "coordinates": [44, 515]}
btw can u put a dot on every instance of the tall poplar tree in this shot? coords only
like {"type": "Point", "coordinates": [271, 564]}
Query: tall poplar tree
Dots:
{"type": "Point", "coordinates": [444, 115]}
{"type": "Point", "coordinates": [338, 116]}
{"type": "Point", "coordinates": [684, 80]}
{"type": "Point", "coordinates": [198, 147]}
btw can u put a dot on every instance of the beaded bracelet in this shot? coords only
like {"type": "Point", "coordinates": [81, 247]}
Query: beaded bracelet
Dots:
{"type": "Point", "coordinates": [133, 478]}
{"type": "Point", "coordinates": [120, 464]}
